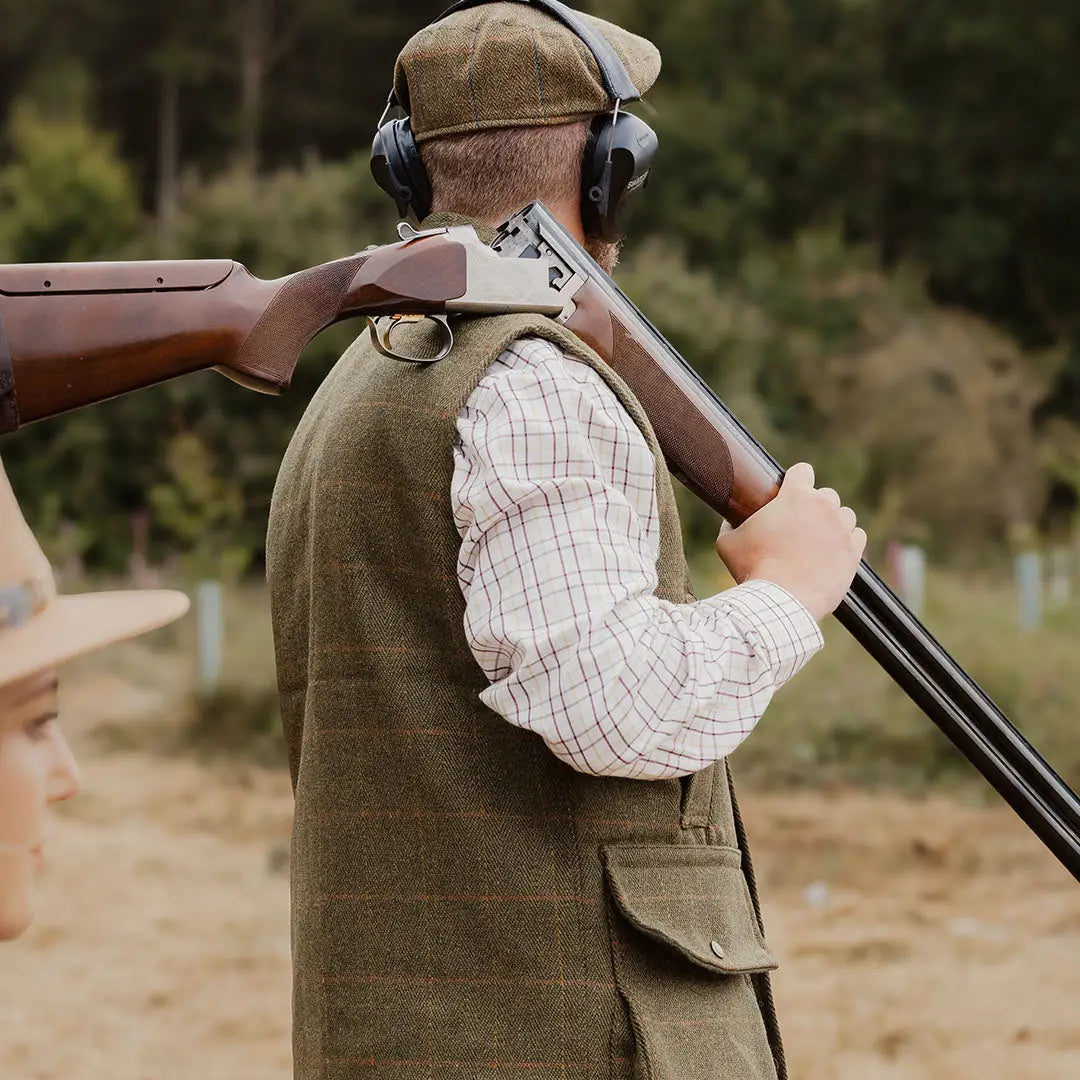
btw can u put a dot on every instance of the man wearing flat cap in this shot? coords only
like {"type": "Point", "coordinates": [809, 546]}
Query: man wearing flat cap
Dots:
{"type": "Point", "coordinates": [516, 848]}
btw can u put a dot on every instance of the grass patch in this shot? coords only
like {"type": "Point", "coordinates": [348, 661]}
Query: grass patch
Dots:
{"type": "Point", "coordinates": [239, 721]}
{"type": "Point", "coordinates": [240, 717]}
{"type": "Point", "coordinates": [842, 720]}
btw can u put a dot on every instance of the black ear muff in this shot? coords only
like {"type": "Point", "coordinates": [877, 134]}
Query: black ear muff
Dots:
{"type": "Point", "coordinates": [398, 169]}
{"type": "Point", "coordinates": [618, 155]}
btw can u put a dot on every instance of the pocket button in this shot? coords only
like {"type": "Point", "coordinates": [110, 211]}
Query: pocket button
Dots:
{"type": "Point", "coordinates": [717, 949]}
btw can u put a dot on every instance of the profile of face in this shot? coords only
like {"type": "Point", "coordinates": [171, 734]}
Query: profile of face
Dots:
{"type": "Point", "coordinates": [36, 770]}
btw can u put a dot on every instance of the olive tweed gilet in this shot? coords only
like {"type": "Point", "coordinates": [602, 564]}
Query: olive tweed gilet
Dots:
{"type": "Point", "coordinates": [464, 904]}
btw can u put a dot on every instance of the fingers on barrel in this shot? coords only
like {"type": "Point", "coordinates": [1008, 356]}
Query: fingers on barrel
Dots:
{"type": "Point", "coordinates": [801, 475]}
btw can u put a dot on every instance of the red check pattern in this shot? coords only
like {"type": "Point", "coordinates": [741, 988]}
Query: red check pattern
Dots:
{"type": "Point", "coordinates": [554, 497]}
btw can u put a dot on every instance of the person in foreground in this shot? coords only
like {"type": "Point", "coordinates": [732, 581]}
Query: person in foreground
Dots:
{"type": "Point", "coordinates": [39, 630]}
{"type": "Point", "coordinates": [516, 848]}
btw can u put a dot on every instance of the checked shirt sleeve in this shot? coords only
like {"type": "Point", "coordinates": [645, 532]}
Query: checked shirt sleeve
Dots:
{"type": "Point", "coordinates": [553, 496]}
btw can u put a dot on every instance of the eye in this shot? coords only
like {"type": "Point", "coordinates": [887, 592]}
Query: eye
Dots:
{"type": "Point", "coordinates": [38, 728]}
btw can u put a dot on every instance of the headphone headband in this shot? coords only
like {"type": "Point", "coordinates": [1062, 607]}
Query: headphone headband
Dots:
{"type": "Point", "coordinates": [617, 81]}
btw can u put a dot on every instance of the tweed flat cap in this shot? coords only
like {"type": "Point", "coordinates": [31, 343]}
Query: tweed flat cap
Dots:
{"type": "Point", "coordinates": [509, 64]}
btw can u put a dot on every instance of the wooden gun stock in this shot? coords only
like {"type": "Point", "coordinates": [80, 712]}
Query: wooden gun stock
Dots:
{"type": "Point", "coordinates": [72, 334]}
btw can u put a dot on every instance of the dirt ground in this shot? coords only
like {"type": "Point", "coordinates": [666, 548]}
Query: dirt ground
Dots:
{"type": "Point", "coordinates": [917, 940]}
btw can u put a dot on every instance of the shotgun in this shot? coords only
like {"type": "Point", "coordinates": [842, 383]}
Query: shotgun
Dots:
{"type": "Point", "coordinates": [73, 334]}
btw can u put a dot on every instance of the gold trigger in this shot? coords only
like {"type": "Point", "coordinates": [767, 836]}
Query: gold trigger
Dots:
{"type": "Point", "coordinates": [382, 329]}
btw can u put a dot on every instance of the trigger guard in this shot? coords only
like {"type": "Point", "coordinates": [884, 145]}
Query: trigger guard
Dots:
{"type": "Point", "coordinates": [381, 339]}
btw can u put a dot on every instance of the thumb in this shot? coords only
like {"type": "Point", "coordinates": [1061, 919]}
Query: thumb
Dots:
{"type": "Point", "coordinates": [726, 529]}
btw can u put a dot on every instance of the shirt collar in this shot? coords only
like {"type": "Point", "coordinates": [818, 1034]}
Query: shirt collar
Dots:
{"type": "Point", "coordinates": [444, 219]}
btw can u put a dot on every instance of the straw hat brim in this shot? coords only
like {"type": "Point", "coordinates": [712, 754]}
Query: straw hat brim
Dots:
{"type": "Point", "coordinates": [74, 625]}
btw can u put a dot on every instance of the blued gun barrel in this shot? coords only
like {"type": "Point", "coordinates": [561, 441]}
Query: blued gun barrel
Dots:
{"type": "Point", "coordinates": [710, 451]}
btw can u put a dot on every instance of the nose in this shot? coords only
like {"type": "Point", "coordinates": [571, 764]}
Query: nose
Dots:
{"type": "Point", "coordinates": [65, 777]}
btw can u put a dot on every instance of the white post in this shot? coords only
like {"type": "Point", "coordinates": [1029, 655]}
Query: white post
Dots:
{"type": "Point", "coordinates": [210, 623]}
{"type": "Point", "coordinates": [1029, 584]}
{"type": "Point", "coordinates": [912, 565]}
{"type": "Point", "coordinates": [1060, 577]}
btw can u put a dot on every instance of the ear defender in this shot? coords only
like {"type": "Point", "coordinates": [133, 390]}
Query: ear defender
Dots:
{"type": "Point", "coordinates": [618, 155]}
{"type": "Point", "coordinates": [397, 167]}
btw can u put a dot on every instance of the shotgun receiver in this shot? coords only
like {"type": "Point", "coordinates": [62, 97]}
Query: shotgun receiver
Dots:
{"type": "Point", "coordinates": [73, 334]}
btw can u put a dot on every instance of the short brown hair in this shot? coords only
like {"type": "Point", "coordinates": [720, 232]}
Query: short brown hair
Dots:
{"type": "Point", "coordinates": [491, 174]}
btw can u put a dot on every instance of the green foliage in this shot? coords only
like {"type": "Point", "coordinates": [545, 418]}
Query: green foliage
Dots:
{"type": "Point", "coordinates": [844, 721]}
{"type": "Point", "coordinates": [282, 221]}
{"type": "Point", "coordinates": [202, 507]}
{"type": "Point", "coordinates": [65, 194]}
{"type": "Point", "coordinates": [903, 406]}
{"type": "Point", "coordinates": [238, 721]}
{"type": "Point", "coordinates": [946, 134]}
{"type": "Point", "coordinates": [843, 186]}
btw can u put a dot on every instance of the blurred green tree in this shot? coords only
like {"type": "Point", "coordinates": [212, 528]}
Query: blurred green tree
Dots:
{"type": "Point", "coordinates": [830, 172]}
{"type": "Point", "coordinates": [65, 194]}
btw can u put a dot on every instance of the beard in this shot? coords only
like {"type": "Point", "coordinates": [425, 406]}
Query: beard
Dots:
{"type": "Point", "coordinates": [604, 252]}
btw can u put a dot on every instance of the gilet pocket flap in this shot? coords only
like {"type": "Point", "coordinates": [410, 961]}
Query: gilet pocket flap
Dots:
{"type": "Point", "coordinates": [692, 898]}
